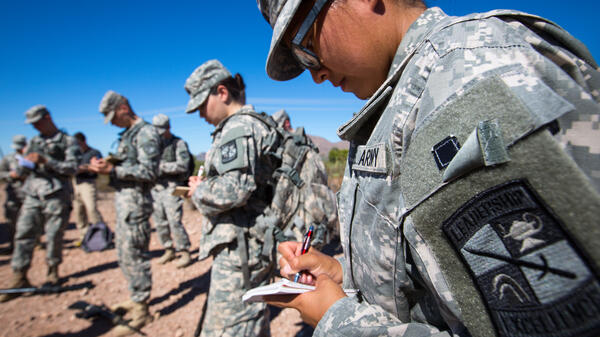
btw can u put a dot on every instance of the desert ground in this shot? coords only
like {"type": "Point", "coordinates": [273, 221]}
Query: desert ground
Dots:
{"type": "Point", "coordinates": [178, 295]}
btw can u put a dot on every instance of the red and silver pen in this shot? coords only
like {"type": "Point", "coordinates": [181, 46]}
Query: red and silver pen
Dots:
{"type": "Point", "coordinates": [305, 247]}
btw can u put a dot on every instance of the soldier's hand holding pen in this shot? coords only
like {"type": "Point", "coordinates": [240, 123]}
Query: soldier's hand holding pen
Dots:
{"type": "Point", "coordinates": [193, 183]}
{"type": "Point", "coordinates": [100, 165]}
{"type": "Point", "coordinates": [317, 269]}
{"type": "Point", "coordinates": [36, 158]}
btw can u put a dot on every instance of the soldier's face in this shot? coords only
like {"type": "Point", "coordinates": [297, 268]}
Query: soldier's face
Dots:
{"type": "Point", "coordinates": [122, 116]}
{"type": "Point", "coordinates": [350, 50]}
{"type": "Point", "coordinates": [42, 125]}
{"type": "Point", "coordinates": [214, 108]}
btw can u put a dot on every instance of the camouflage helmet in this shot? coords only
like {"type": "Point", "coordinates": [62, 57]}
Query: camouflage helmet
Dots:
{"type": "Point", "coordinates": [281, 63]}
{"type": "Point", "coordinates": [35, 113]}
{"type": "Point", "coordinates": [109, 104]}
{"type": "Point", "coordinates": [280, 117]}
{"type": "Point", "coordinates": [18, 142]}
{"type": "Point", "coordinates": [200, 82]}
{"type": "Point", "coordinates": [161, 123]}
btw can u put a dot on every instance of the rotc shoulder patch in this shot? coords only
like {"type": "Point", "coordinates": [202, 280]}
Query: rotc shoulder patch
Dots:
{"type": "Point", "coordinates": [530, 273]}
{"type": "Point", "coordinates": [229, 152]}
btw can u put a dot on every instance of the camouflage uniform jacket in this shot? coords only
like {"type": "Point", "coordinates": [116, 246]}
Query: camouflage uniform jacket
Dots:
{"type": "Point", "coordinates": [236, 188]}
{"type": "Point", "coordinates": [173, 161]}
{"type": "Point", "coordinates": [62, 156]}
{"type": "Point", "coordinates": [14, 187]}
{"type": "Point", "coordinates": [139, 152]}
{"type": "Point", "coordinates": [401, 290]}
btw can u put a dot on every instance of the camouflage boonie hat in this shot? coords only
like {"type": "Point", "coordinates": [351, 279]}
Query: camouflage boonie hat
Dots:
{"type": "Point", "coordinates": [35, 113]}
{"type": "Point", "coordinates": [109, 104]}
{"type": "Point", "coordinates": [280, 117]}
{"type": "Point", "coordinates": [281, 63]}
{"type": "Point", "coordinates": [200, 82]}
{"type": "Point", "coordinates": [18, 142]}
{"type": "Point", "coordinates": [161, 123]}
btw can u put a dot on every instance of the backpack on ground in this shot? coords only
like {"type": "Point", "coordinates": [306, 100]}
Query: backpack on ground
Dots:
{"type": "Point", "coordinates": [97, 238]}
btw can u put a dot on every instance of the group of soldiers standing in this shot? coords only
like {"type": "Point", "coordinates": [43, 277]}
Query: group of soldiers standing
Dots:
{"type": "Point", "coordinates": [55, 173]}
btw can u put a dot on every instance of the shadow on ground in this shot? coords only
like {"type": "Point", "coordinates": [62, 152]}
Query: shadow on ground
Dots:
{"type": "Point", "coordinates": [93, 270]}
{"type": "Point", "coordinates": [190, 290]}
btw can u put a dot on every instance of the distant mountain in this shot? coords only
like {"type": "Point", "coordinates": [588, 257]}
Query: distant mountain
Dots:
{"type": "Point", "coordinates": [325, 146]}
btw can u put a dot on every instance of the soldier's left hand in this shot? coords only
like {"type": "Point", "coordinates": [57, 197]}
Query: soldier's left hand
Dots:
{"type": "Point", "coordinates": [36, 158]}
{"type": "Point", "coordinates": [193, 183]}
{"type": "Point", "coordinates": [314, 304]}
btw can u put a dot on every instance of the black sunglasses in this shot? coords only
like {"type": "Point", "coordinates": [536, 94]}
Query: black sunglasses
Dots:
{"type": "Point", "coordinates": [306, 57]}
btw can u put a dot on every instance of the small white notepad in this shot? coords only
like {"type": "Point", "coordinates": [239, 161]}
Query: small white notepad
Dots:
{"type": "Point", "coordinates": [281, 287]}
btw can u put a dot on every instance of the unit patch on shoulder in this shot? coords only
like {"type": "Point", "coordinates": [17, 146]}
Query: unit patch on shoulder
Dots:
{"type": "Point", "coordinates": [371, 158]}
{"type": "Point", "coordinates": [228, 152]}
{"type": "Point", "coordinates": [531, 274]}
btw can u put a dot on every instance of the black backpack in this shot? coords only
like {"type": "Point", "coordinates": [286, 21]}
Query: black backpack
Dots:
{"type": "Point", "coordinates": [97, 238]}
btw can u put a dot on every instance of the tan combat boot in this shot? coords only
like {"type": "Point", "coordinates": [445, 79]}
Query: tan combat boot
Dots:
{"type": "Point", "coordinates": [19, 280]}
{"type": "Point", "coordinates": [167, 256]}
{"type": "Point", "coordinates": [52, 276]}
{"type": "Point", "coordinates": [185, 260]}
{"type": "Point", "coordinates": [140, 316]}
{"type": "Point", "coordinates": [122, 308]}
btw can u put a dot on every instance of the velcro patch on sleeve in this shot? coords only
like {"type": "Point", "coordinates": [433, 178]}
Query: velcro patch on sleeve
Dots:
{"type": "Point", "coordinates": [371, 158]}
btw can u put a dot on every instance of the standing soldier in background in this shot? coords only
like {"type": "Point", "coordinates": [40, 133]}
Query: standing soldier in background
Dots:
{"type": "Point", "coordinates": [167, 208]}
{"type": "Point", "coordinates": [50, 161]}
{"type": "Point", "coordinates": [86, 211]}
{"type": "Point", "coordinates": [14, 186]}
{"type": "Point", "coordinates": [283, 120]}
{"type": "Point", "coordinates": [312, 201]}
{"type": "Point", "coordinates": [133, 171]}
{"type": "Point", "coordinates": [231, 197]}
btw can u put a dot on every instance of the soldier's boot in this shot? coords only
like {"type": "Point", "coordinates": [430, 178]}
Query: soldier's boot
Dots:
{"type": "Point", "coordinates": [184, 260]}
{"type": "Point", "coordinates": [52, 276]}
{"type": "Point", "coordinates": [140, 316]}
{"type": "Point", "coordinates": [167, 256]}
{"type": "Point", "coordinates": [19, 280]}
{"type": "Point", "coordinates": [122, 308]}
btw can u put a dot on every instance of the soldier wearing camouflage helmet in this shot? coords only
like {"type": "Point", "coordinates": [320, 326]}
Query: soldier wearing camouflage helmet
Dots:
{"type": "Point", "coordinates": [133, 171]}
{"type": "Point", "coordinates": [14, 185]}
{"type": "Point", "coordinates": [48, 163]}
{"type": "Point", "coordinates": [233, 194]}
{"type": "Point", "coordinates": [283, 120]}
{"type": "Point", "coordinates": [470, 197]}
{"type": "Point", "coordinates": [168, 208]}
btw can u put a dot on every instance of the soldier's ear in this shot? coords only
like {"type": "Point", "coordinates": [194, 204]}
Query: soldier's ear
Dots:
{"type": "Point", "coordinates": [223, 93]}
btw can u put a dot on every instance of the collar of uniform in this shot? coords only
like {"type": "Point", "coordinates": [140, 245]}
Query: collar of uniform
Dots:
{"type": "Point", "coordinates": [245, 108]}
{"type": "Point", "coordinates": [55, 137]}
{"type": "Point", "coordinates": [138, 124]}
{"type": "Point", "coordinates": [415, 35]}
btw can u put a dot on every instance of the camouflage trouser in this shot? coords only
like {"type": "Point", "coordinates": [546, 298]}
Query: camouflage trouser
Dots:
{"type": "Point", "coordinates": [84, 206]}
{"type": "Point", "coordinates": [11, 213]}
{"type": "Point", "coordinates": [166, 214]}
{"type": "Point", "coordinates": [226, 314]}
{"type": "Point", "coordinates": [51, 215]}
{"type": "Point", "coordinates": [132, 233]}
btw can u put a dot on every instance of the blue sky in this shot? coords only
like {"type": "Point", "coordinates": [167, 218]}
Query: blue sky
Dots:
{"type": "Point", "coordinates": [67, 54]}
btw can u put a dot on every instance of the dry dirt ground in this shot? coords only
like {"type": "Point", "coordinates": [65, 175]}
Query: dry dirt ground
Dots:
{"type": "Point", "coordinates": [176, 301]}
